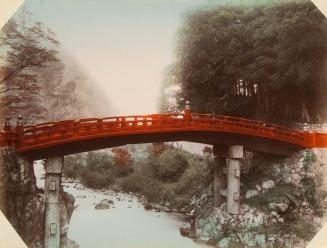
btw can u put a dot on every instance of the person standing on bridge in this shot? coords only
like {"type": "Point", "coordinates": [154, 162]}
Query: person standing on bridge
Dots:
{"type": "Point", "coordinates": [187, 112]}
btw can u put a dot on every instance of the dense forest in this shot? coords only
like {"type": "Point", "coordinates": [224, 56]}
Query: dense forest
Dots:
{"type": "Point", "coordinates": [265, 62]}
{"type": "Point", "coordinates": [38, 78]}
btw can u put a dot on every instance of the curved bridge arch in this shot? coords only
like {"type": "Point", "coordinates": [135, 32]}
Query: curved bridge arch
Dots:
{"type": "Point", "coordinates": [73, 136]}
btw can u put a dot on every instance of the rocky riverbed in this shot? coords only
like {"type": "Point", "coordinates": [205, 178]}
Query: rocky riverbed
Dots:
{"type": "Point", "coordinates": [105, 217]}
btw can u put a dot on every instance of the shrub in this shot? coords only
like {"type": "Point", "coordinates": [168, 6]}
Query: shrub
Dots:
{"type": "Point", "coordinates": [171, 164]}
{"type": "Point", "coordinates": [72, 166]}
{"type": "Point", "coordinates": [122, 156]}
{"type": "Point", "coordinates": [146, 186]}
{"type": "Point", "coordinates": [99, 160]}
{"type": "Point", "coordinates": [123, 170]}
{"type": "Point", "coordinates": [133, 184]}
{"type": "Point", "coordinates": [309, 158]}
{"type": "Point", "coordinates": [96, 178]}
{"type": "Point", "coordinates": [195, 178]}
{"type": "Point", "coordinates": [98, 170]}
{"type": "Point", "coordinates": [281, 194]}
{"type": "Point", "coordinates": [303, 228]}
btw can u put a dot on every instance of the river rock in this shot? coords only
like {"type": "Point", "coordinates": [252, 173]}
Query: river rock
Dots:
{"type": "Point", "coordinates": [280, 220]}
{"type": "Point", "coordinates": [104, 204]}
{"type": "Point", "coordinates": [268, 184]}
{"type": "Point", "coordinates": [282, 207]}
{"type": "Point", "coordinates": [258, 187]}
{"type": "Point", "coordinates": [272, 206]}
{"type": "Point", "coordinates": [274, 214]}
{"type": "Point", "coordinates": [81, 196]}
{"type": "Point", "coordinates": [183, 210]}
{"type": "Point", "coordinates": [251, 193]}
{"type": "Point", "coordinates": [211, 242]}
{"type": "Point", "coordinates": [184, 231]}
{"type": "Point", "coordinates": [147, 206]}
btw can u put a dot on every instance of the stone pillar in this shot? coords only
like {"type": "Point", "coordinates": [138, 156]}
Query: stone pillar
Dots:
{"type": "Point", "coordinates": [53, 170]}
{"type": "Point", "coordinates": [219, 178]}
{"type": "Point", "coordinates": [235, 154]}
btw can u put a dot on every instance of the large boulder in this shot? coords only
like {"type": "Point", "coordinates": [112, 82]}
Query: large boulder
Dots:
{"type": "Point", "coordinates": [148, 206]}
{"type": "Point", "coordinates": [268, 184]}
{"type": "Point", "coordinates": [281, 207]}
{"type": "Point", "coordinates": [185, 231]}
{"type": "Point", "coordinates": [251, 193]}
{"type": "Point", "coordinates": [104, 204]}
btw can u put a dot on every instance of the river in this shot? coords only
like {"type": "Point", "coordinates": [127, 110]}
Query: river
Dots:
{"type": "Point", "coordinates": [126, 224]}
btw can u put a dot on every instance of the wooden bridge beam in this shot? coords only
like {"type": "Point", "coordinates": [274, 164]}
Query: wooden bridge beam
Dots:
{"type": "Point", "coordinates": [53, 170]}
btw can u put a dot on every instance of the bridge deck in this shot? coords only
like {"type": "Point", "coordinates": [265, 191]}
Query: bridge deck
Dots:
{"type": "Point", "coordinates": [71, 136]}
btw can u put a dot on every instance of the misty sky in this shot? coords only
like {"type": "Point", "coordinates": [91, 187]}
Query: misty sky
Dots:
{"type": "Point", "coordinates": [125, 45]}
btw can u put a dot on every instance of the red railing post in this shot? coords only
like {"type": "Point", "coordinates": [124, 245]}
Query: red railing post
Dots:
{"type": "Point", "coordinates": [99, 124]}
{"type": "Point", "coordinates": [123, 122]}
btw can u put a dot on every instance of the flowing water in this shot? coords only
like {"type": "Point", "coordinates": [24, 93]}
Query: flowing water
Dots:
{"type": "Point", "coordinates": [126, 224]}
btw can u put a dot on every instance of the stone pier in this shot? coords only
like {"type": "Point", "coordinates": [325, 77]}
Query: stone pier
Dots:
{"type": "Point", "coordinates": [235, 155]}
{"type": "Point", "coordinates": [53, 170]}
{"type": "Point", "coordinates": [219, 178]}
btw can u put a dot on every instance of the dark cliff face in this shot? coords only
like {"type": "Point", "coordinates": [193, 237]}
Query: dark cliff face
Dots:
{"type": "Point", "coordinates": [23, 203]}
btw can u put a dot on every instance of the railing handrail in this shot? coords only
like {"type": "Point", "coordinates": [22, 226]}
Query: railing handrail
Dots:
{"type": "Point", "coordinates": [186, 121]}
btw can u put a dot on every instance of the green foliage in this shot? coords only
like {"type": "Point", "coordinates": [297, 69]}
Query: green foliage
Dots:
{"type": "Point", "coordinates": [280, 194]}
{"type": "Point", "coordinates": [309, 158]}
{"type": "Point", "coordinates": [309, 186]}
{"type": "Point", "coordinates": [262, 61]}
{"type": "Point", "coordinates": [261, 167]}
{"type": "Point", "coordinates": [72, 166]}
{"type": "Point", "coordinates": [133, 184]}
{"type": "Point", "coordinates": [123, 171]}
{"type": "Point", "coordinates": [304, 229]}
{"type": "Point", "coordinates": [174, 176]}
{"type": "Point", "coordinates": [96, 178]}
{"type": "Point", "coordinates": [171, 164]}
{"type": "Point", "coordinates": [98, 170]}
{"type": "Point", "coordinates": [148, 187]}
{"type": "Point", "coordinates": [99, 160]}
{"type": "Point", "coordinates": [195, 178]}
{"type": "Point", "coordinates": [94, 169]}
{"type": "Point", "coordinates": [234, 244]}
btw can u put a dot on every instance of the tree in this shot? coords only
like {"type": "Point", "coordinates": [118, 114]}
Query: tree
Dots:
{"type": "Point", "coordinates": [29, 46]}
{"type": "Point", "coordinates": [122, 156]}
{"type": "Point", "coordinates": [261, 62]}
{"type": "Point", "coordinates": [40, 81]}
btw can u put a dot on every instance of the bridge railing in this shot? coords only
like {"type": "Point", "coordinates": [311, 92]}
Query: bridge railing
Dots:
{"type": "Point", "coordinates": [61, 131]}
{"type": "Point", "coordinates": [251, 127]}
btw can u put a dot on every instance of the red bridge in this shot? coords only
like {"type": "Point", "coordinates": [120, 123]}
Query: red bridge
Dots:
{"type": "Point", "coordinates": [229, 135]}
{"type": "Point", "coordinates": [73, 136]}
